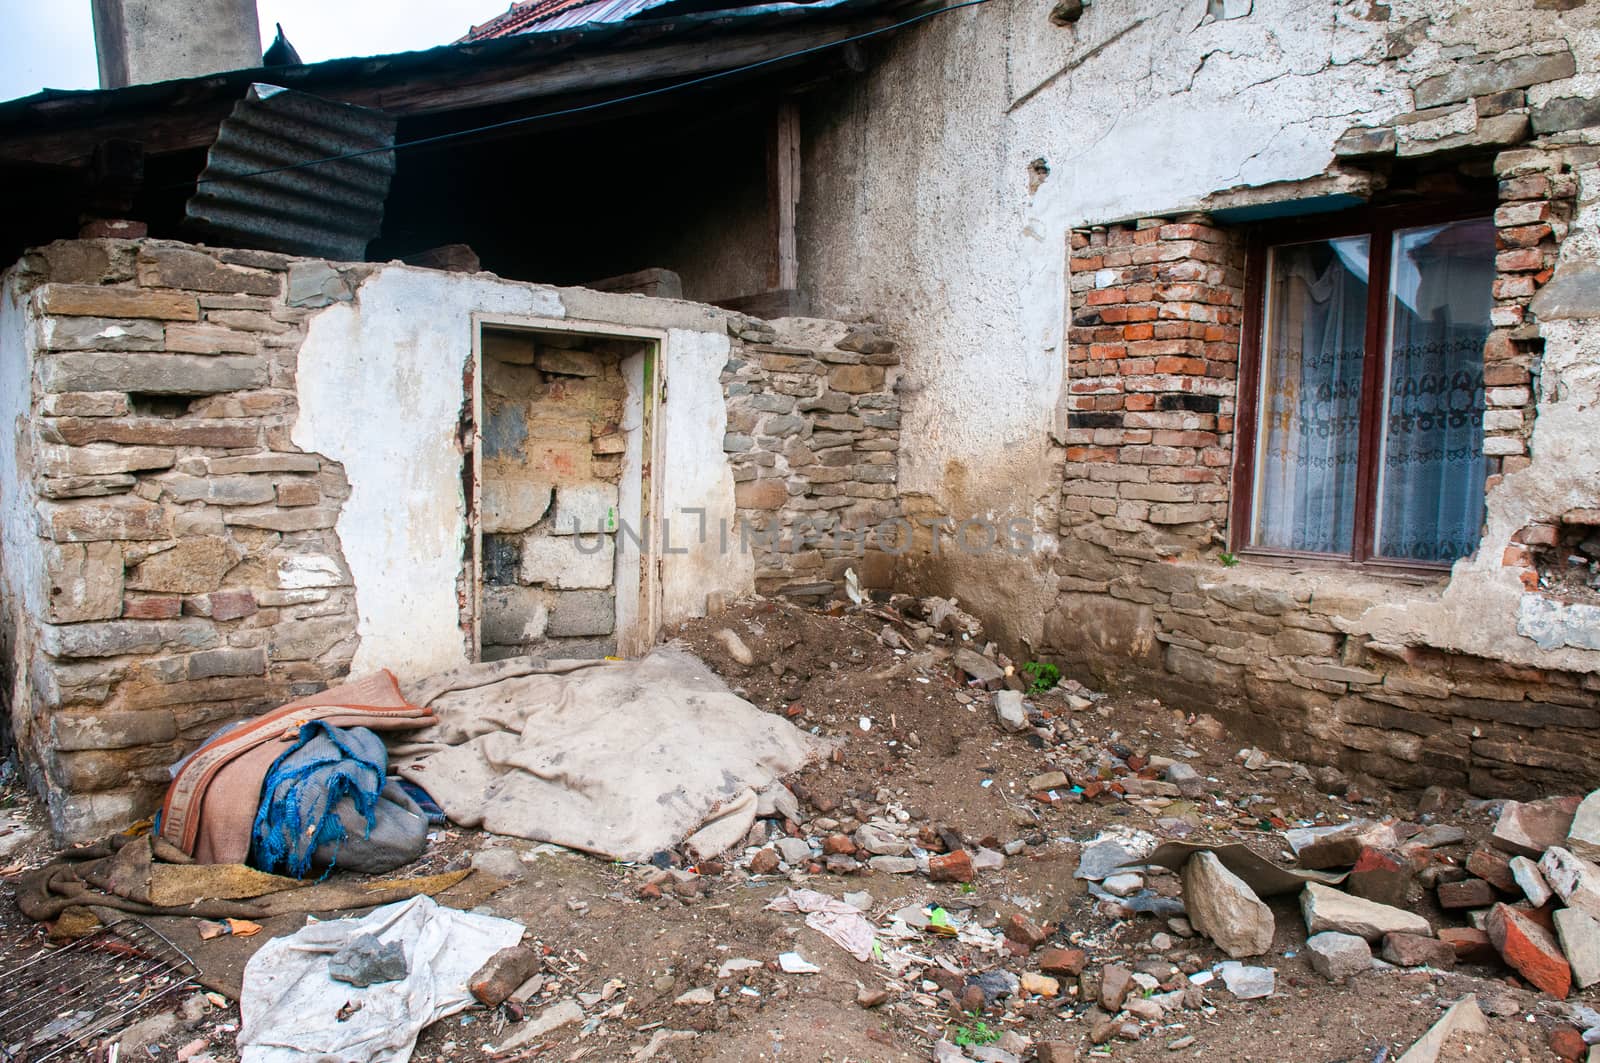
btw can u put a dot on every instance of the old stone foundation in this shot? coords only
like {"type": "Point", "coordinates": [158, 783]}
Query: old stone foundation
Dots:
{"type": "Point", "coordinates": [233, 477]}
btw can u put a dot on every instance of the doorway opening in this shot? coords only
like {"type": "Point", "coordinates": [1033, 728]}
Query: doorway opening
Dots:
{"type": "Point", "coordinates": [562, 489]}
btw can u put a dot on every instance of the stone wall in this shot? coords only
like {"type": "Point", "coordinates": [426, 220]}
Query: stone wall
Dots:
{"type": "Point", "coordinates": [188, 571]}
{"type": "Point", "coordinates": [814, 437]}
{"type": "Point", "coordinates": [552, 463]}
{"type": "Point", "coordinates": [232, 477]}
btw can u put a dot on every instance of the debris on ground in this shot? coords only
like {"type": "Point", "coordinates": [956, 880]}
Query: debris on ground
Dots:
{"type": "Point", "coordinates": [1116, 877]}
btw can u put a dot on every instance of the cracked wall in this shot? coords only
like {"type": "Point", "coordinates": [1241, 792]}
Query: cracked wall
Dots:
{"type": "Point", "coordinates": [963, 192]}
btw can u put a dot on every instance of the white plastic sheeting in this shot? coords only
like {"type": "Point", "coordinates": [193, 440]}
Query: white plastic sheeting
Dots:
{"type": "Point", "coordinates": [290, 1005]}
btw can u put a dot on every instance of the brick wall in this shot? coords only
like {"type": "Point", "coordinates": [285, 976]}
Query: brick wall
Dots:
{"type": "Point", "coordinates": [1154, 348]}
{"type": "Point", "coordinates": [1147, 600]}
{"type": "Point", "coordinates": [814, 438]}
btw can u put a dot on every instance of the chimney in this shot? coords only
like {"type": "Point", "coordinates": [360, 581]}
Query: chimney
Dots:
{"type": "Point", "coordinates": [140, 41]}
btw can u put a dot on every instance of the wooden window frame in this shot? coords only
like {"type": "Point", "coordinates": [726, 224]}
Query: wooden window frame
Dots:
{"type": "Point", "coordinates": [1379, 225]}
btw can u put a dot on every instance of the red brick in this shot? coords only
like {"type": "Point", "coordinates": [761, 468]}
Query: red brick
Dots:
{"type": "Point", "coordinates": [1140, 313]}
{"type": "Point", "coordinates": [1062, 961]}
{"type": "Point", "coordinates": [1193, 366]}
{"type": "Point", "coordinates": [1529, 949]}
{"type": "Point", "coordinates": [1568, 1044]}
{"type": "Point", "coordinates": [150, 608]}
{"type": "Point", "coordinates": [951, 867]}
{"type": "Point", "coordinates": [1138, 332]}
{"type": "Point", "coordinates": [1505, 374]}
{"type": "Point", "coordinates": [1494, 868]}
{"type": "Point", "coordinates": [1471, 945]}
{"type": "Point", "coordinates": [1469, 893]}
{"type": "Point", "coordinates": [1523, 235]}
{"type": "Point", "coordinates": [1519, 260]}
{"type": "Point", "coordinates": [1107, 351]}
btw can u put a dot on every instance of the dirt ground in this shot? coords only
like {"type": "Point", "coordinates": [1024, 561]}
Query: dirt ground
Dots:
{"type": "Point", "coordinates": [916, 738]}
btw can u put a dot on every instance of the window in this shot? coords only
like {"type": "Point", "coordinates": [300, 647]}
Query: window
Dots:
{"type": "Point", "coordinates": [1361, 412]}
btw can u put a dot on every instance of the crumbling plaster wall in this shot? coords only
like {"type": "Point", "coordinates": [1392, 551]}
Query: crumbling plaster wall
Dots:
{"type": "Point", "coordinates": [961, 190]}
{"type": "Point", "coordinates": [229, 478]}
{"type": "Point", "coordinates": [381, 391]}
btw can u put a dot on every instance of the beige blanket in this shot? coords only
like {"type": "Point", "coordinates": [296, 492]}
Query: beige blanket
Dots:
{"type": "Point", "coordinates": [619, 758]}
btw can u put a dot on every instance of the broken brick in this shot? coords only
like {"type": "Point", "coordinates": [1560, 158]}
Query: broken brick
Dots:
{"type": "Point", "coordinates": [1494, 868]}
{"type": "Point", "coordinates": [1471, 944]}
{"type": "Point", "coordinates": [1530, 950]}
{"type": "Point", "coordinates": [951, 867]}
{"type": "Point", "coordinates": [1469, 893]}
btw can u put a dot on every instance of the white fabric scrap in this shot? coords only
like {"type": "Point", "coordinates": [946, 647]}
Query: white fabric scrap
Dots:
{"type": "Point", "coordinates": [840, 922]}
{"type": "Point", "coordinates": [289, 1004]}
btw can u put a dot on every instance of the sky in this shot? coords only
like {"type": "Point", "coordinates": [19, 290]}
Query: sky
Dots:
{"type": "Point", "coordinates": [50, 43]}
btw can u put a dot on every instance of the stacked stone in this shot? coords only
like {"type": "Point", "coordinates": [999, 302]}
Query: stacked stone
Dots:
{"type": "Point", "coordinates": [814, 437]}
{"type": "Point", "coordinates": [193, 572]}
{"type": "Point", "coordinates": [552, 461]}
{"type": "Point", "coordinates": [1156, 314]}
{"type": "Point", "coordinates": [1266, 650]}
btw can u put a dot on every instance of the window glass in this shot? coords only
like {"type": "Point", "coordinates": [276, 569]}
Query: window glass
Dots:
{"type": "Point", "coordinates": [1431, 469]}
{"type": "Point", "coordinates": [1309, 437]}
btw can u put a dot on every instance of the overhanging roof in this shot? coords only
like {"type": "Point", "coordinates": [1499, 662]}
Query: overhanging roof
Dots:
{"type": "Point", "coordinates": [56, 127]}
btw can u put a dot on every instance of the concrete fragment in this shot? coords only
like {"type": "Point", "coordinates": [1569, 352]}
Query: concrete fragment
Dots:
{"type": "Point", "coordinates": [85, 581]}
{"type": "Point", "coordinates": [735, 646]}
{"type": "Point", "coordinates": [1247, 983]}
{"type": "Point", "coordinates": [1337, 956]}
{"type": "Point", "coordinates": [549, 1020]}
{"type": "Point", "coordinates": [893, 865]}
{"type": "Point", "coordinates": [972, 663]}
{"type": "Point", "coordinates": [1528, 828]}
{"type": "Point", "coordinates": [1225, 909]}
{"type": "Point", "coordinates": [1009, 711]}
{"type": "Point", "coordinates": [588, 507]}
{"type": "Point", "coordinates": [1530, 949]}
{"type": "Point", "coordinates": [569, 562]}
{"type": "Point", "coordinates": [1583, 837]}
{"type": "Point", "coordinates": [511, 506]}
{"type": "Point", "coordinates": [1464, 1016]}
{"type": "Point", "coordinates": [1579, 935]}
{"type": "Point", "coordinates": [366, 961]}
{"type": "Point", "coordinates": [1574, 880]}
{"type": "Point", "coordinates": [1189, 782]}
{"type": "Point", "coordinates": [1326, 908]}
{"type": "Point", "coordinates": [1530, 880]}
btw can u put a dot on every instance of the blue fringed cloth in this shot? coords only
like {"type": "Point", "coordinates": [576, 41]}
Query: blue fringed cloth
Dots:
{"type": "Point", "coordinates": [305, 785]}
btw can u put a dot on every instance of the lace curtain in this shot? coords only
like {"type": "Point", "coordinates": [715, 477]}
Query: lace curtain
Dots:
{"type": "Point", "coordinates": [1309, 441]}
{"type": "Point", "coordinates": [1430, 461]}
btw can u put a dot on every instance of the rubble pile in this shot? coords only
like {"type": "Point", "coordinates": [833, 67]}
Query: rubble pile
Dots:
{"type": "Point", "coordinates": [1000, 864]}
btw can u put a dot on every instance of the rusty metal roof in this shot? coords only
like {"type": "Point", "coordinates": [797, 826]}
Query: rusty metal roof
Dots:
{"type": "Point", "coordinates": [333, 209]}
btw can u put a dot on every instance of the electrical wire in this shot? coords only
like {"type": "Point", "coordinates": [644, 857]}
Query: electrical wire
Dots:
{"type": "Point", "coordinates": [588, 107]}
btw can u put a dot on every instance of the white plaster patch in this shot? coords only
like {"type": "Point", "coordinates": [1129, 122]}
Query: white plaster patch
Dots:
{"type": "Point", "coordinates": [300, 571]}
{"type": "Point", "coordinates": [380, 386]}
{"type": "Point", "coordinates": [21, 551]}
{"type": "Point", "coordinates": [1554, 624]}
{"type": "Point", "coordinates": [696, 475]}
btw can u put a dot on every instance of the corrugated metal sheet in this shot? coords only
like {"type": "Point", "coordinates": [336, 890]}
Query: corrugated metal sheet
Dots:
{"type": "Point", "coordinates": [598, 11]}
{"type": "Point", "coordinates": [331, 209]}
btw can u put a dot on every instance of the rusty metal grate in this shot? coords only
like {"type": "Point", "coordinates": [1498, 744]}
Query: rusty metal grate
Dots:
{"type": "Point", "coordinates": [56, 998]}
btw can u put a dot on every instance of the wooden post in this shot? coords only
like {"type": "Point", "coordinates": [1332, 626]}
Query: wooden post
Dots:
{"type": "Point", "coordinates": [785, 194]}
